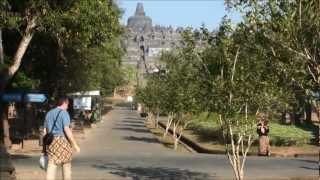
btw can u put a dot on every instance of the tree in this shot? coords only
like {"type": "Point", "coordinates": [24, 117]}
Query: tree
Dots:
{"type": "Point", "coordinates": [289, 30]}
{"type": "Point", "coordinates": [14, 15]}
{"type": "Point", "coordinates": [223, 75]}
{"type": "Point", "coordinates": [289, 33]}
{"type": "Point", "coordinates": [181, 86]}
{"type": "Point", "coordinates": [239, 82]}
{"type": "Point", "coordinates": [173, 91]}
{"type": "Point", "coordinates": [152, 96]}
{"type": "Point", "coordinates": [68, 27]}
{"type": "Point", "coordinates": [69, 22]}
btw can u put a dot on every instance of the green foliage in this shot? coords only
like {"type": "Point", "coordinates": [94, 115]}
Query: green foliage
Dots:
{"type": "Point", "coordinates": [123, 104]}
{"type": "Point", "coordinates": [153, 95]}
{"type": "Point", "coordinates": [98, 68]}
{"type": "Point", "coordinates": [130, 74]}
{"type": "Point", "coordinates": [266, 63]}
{"type": "Point", "coordinates": [86, 23]}
{"type": "Point", "coordinates": [22, 81]}
{"type": "Point", "coordinates": [173, 89]}
{"type": "Point", "coordinates": [75, 46]}
{"type": "Point", "coordinates": [15, 14]}
{"type": "Point", "coordinates": [288, 33]}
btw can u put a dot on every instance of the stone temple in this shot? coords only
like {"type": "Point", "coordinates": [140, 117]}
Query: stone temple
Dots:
{"type": "Point", "coordinates": [144, 41]}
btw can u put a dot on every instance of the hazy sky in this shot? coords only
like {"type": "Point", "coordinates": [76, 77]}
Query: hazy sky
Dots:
{"type": "Point", "coordinates": [180, 12]}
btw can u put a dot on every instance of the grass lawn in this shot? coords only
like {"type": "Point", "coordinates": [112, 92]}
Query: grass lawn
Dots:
{"type": "Point", "coordinates": [284, 139]}
{"type": "Point", "coordinates": [288, 135]}
{"type": "Point", "coordinates": [275, 150]}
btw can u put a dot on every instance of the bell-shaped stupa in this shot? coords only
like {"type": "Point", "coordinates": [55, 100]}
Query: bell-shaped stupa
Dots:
{"type": "Point", "coordinates": [140, 22]}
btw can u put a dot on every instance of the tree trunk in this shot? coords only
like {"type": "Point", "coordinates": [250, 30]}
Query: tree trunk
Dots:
{"type": "Point", "coordinates": [149, 117]}
{"type": "Point", "coordinates": [234, 155]}
{"type": "Point", "coordinates": [169, 121]}
{"type": "Point", "coordinates": [175, 136]}
{"type": "Point", "coordinates": [6, 127]}
{"type": "Point", "coordinates": [1, 49]}
{"type": "Point", "coordinates": [23, 45]}
{"type": "Point", "coordinates": [318, 113]}
{"type": "Point", "coordinates": [308, 111]}
{"type": "Point", "coordinates": [237, 159]}
{"type": "Point", "coordinates": [1, 88]}
{"type": "Point", "coordinates": [176, 142]}
{"type": "Point", "coordinates": [157, 119]}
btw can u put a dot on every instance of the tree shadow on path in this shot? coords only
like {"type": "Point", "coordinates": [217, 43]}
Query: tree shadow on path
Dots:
{"type": "Point", "coordinates": [20, 156]}
{"type": "Point", "coordinates": [131, 124]}
{"type": "Point", "coordinates": [133, 129]}
{"type": "Point", "coordinates": [313, 164]}
{"type": "Point", "coordinates": [310, 168]}
{"type": "Point", "coordinates": [133, 121]}
{"type": "Point", "coordinates": [143, 139]}
{"type": "Point", "coordinates": [155, 173]}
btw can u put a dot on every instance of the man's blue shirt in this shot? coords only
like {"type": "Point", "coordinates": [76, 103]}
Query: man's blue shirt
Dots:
{"type": "Point", "coordinates": [62, 121]}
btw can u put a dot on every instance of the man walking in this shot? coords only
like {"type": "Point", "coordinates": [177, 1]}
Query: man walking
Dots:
{"type": "Point", "coordinates": [59, 152]}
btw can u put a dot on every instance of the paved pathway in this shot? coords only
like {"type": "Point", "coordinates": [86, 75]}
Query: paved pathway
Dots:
{"type": "Point", "coordinates": [122, 148]}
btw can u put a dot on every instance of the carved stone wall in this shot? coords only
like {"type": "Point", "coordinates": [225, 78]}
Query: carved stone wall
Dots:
{"type": "Point", "coordinates": [144, 42]}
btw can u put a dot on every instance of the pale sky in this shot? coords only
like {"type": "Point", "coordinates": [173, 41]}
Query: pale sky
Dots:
{"type": "Point", "coordinates": [180, 12]}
